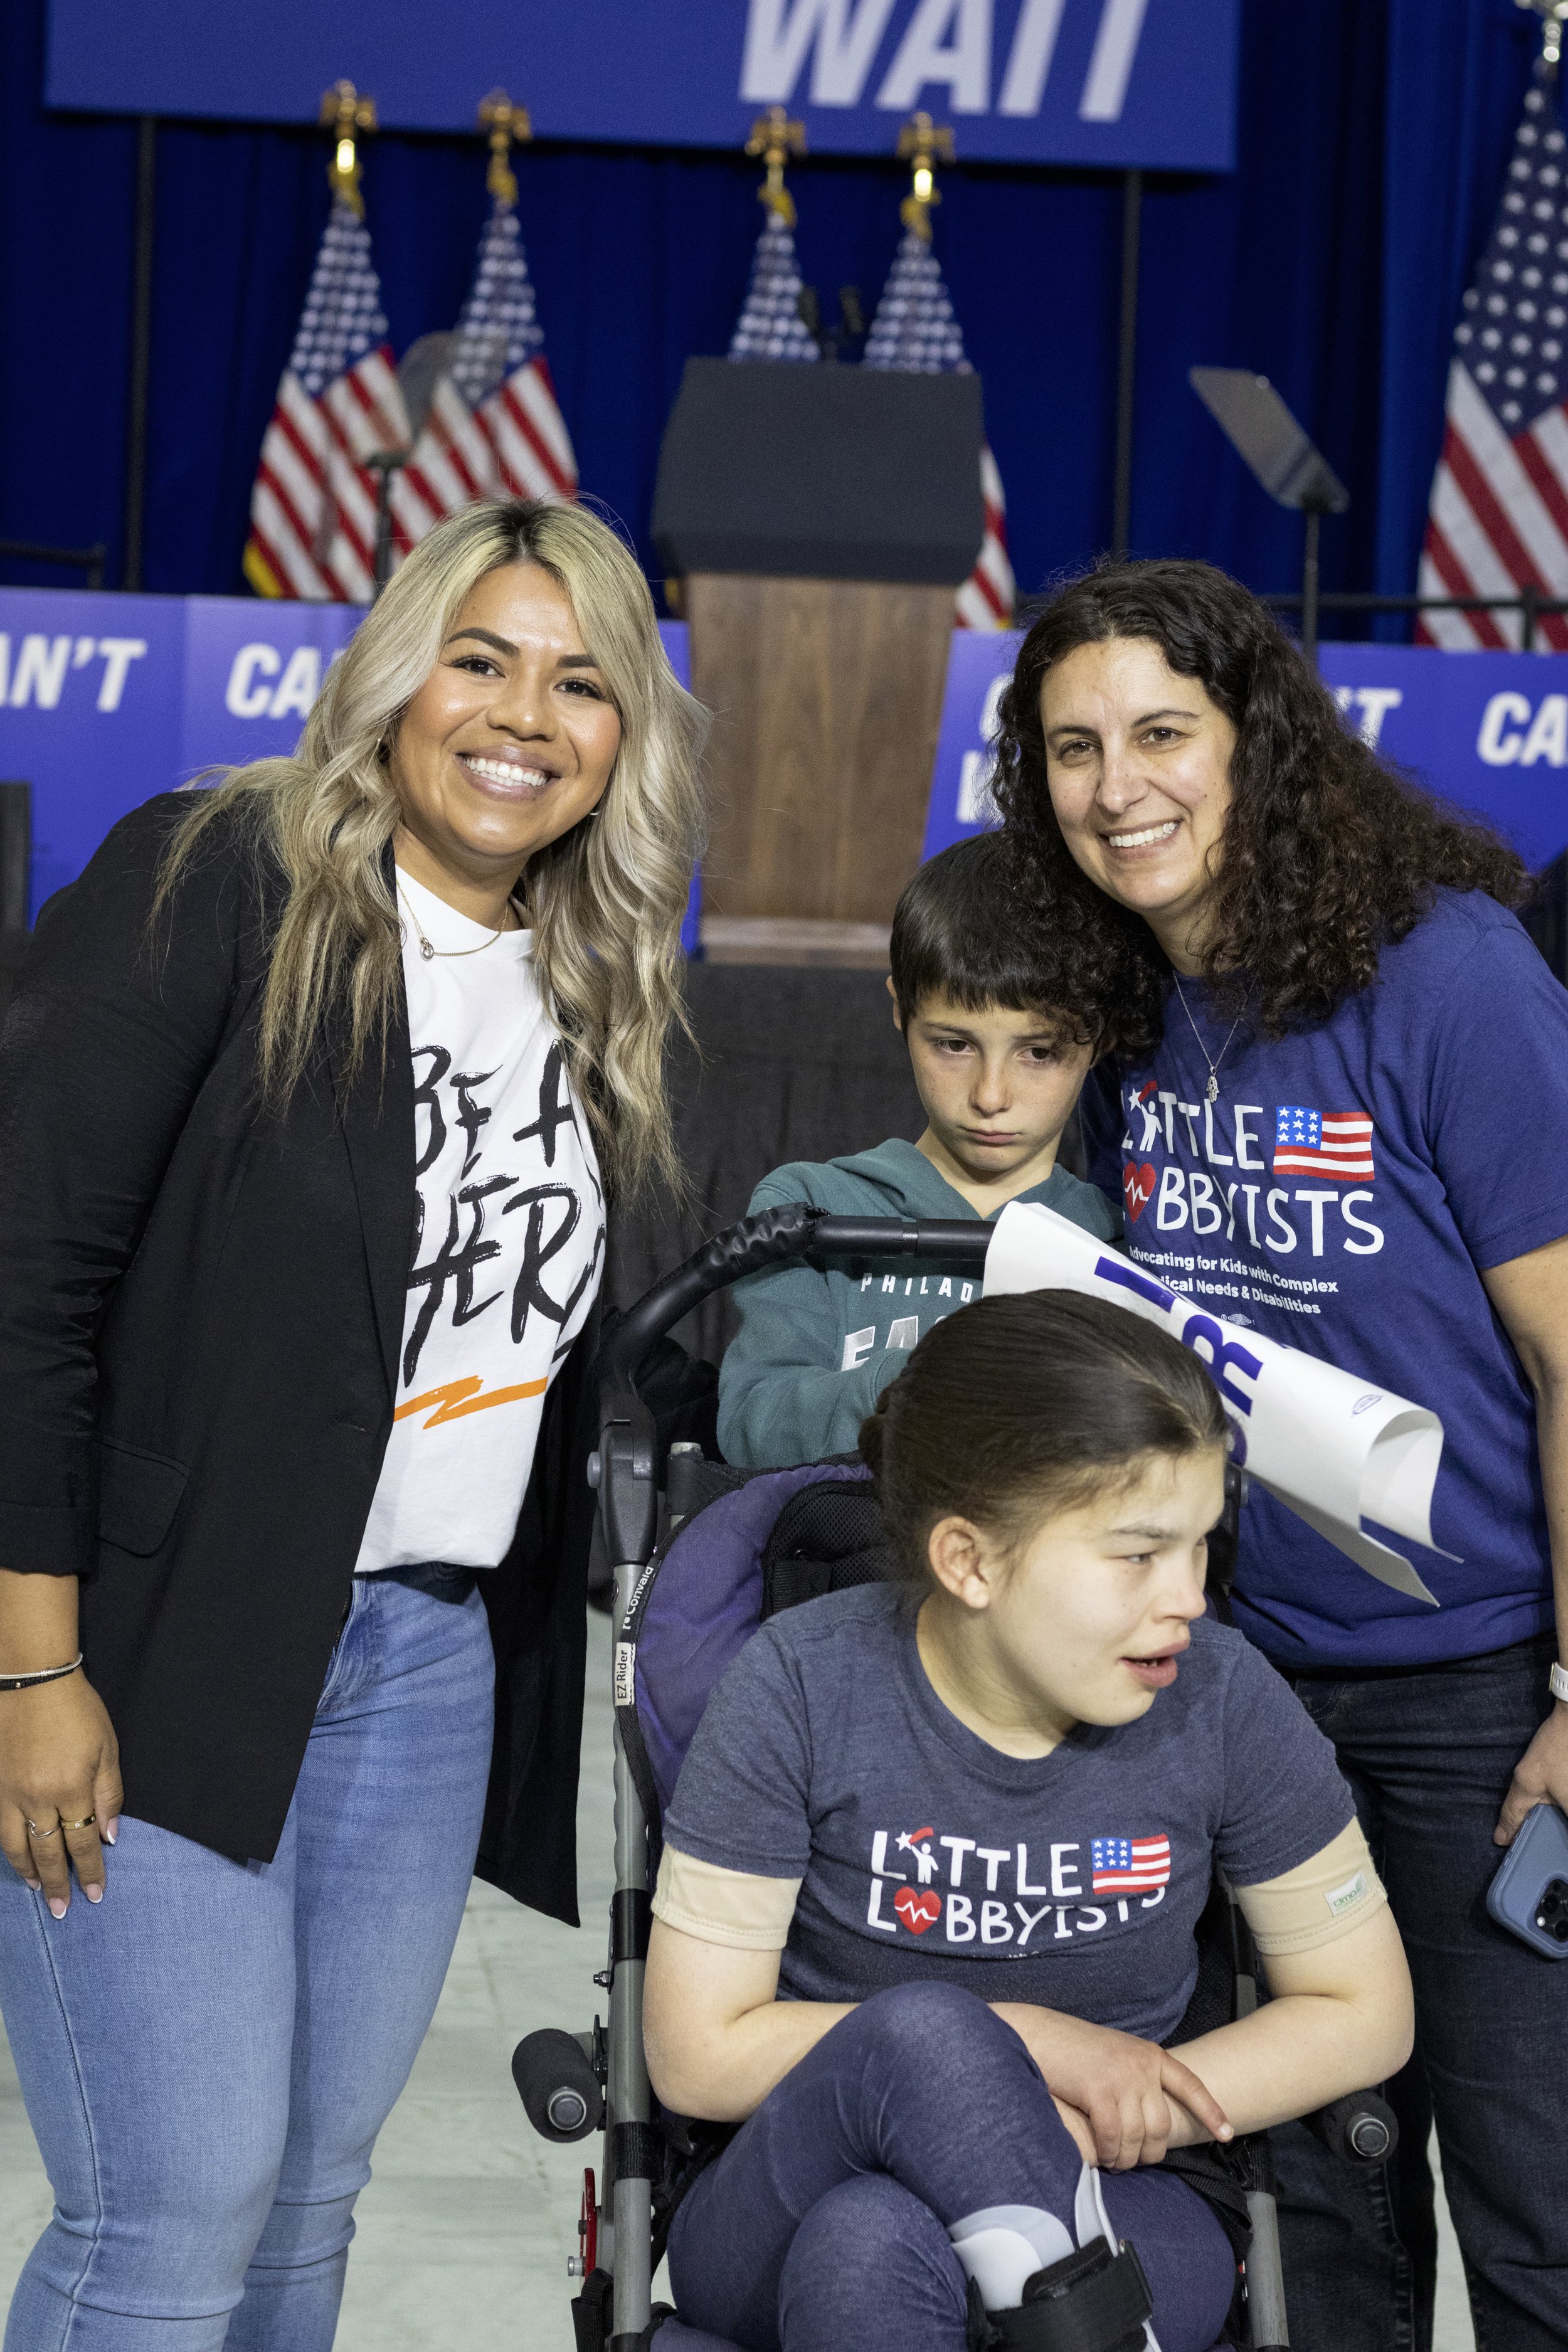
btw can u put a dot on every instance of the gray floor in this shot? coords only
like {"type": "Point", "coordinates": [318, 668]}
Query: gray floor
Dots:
{"type": "Point", "coordinates": [464, 2231]}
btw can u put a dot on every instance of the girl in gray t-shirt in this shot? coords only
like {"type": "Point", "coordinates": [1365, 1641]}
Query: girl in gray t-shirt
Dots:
{"type": "Point", "coordinates": [925, 1915]}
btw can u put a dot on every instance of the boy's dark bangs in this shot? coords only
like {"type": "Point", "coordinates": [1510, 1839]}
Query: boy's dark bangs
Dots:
{"type": "Point", "coordinates": [1009, 987]}
{"type": "Point", "coordinates": [957, 934]}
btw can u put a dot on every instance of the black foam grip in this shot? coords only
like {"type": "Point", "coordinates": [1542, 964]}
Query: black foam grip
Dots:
{"type": "Point", "coordinates": [795, 1229]}
{"type": "Point", "coordinates": [740, 1249]}
{"type": "Point", "coordinates": [1359, 2129]}
{"type": "Point", "coordinates": [547, 2064]}
{"type": "Point", "coordinates": [961, 1239]}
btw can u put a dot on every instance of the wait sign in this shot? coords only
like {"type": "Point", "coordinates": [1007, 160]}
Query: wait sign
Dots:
{"type": "Point", "coordinates": [1117, 83]}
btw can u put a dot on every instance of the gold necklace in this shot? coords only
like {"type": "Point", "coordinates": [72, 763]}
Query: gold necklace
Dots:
{"type": "Point", "coordinates": [428, 952]}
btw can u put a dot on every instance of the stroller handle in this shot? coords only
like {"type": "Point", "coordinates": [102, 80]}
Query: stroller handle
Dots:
{"type": "Point", "coordinates": [795, 1230]}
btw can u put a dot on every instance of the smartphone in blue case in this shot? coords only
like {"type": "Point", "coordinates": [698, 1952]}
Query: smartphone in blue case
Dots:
{"type": "Point", "coordinates": [1529, 1893]}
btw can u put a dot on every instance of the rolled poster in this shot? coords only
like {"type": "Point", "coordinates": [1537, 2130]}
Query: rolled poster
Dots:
{"type": "Point", "coordinates": [1332, 1446]}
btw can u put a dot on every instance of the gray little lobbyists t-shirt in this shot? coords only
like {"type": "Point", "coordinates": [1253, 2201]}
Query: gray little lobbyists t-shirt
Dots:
{"type": "Point", "coordinates": [1073, 1880]}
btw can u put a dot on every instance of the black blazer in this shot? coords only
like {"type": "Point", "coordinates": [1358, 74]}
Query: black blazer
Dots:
{"type": "Point", "coordinates": [201, 1308]}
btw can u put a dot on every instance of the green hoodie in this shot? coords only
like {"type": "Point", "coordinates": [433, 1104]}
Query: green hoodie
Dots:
{"type": "Point", "coordinates": [815, 1351]}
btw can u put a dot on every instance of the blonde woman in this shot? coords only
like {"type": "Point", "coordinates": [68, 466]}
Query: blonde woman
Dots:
{"type": "Point", "coordinates": [312, 1094]}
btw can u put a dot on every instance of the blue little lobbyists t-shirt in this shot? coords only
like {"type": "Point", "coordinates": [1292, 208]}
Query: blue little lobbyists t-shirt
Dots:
{"type": "Point", "coordinates": [1072, 1880]}
{"type": "Point", "coordinates": [1342, 1195]}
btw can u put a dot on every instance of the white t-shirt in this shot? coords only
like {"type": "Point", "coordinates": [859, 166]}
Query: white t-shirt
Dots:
{"type": "Point", "coordinates": [509, 1244]}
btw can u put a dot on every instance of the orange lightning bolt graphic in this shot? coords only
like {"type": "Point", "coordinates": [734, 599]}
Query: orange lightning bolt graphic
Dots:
{"type": "Point", "coordinates": [459, 1397]}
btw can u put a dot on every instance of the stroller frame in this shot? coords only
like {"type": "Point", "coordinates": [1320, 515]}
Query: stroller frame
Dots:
{"type": "Point", "coordinates": [606, 2079]}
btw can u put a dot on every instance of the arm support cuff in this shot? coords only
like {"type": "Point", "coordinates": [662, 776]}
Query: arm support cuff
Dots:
{"type": "Point", "coordinates": [1322, 1898]}
{"type": "Point", "coordinates": [732, 1907]}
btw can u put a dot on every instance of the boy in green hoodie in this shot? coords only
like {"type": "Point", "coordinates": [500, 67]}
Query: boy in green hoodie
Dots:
{"type": "Point", "coordinates": [1000, 1043]}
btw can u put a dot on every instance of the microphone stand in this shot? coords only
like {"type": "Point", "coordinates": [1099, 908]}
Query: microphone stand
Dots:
{"type": "Point", "coordinates": [384, 464]}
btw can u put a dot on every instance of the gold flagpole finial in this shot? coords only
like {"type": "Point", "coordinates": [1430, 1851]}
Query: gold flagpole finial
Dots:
{"type": "Point", "coordinates": [504, 122]}
{"type": "Point", "coordinates": [775, 139]}
{"type": "Point", "coordinates": [1553, 16]}
{"type": "Point", "coordinates": [921, 145]}
{"type": "Point", "coordinates": [345, 114]}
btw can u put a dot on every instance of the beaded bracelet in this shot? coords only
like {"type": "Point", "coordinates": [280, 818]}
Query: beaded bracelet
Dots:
{"type": "Point", "coordinates": [45, 1674]}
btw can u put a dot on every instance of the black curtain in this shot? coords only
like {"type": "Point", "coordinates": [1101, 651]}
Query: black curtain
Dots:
{"type": "Point", "coordinates": [780, 1065]}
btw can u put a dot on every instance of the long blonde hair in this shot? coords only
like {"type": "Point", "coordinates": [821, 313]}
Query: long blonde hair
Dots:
{"type": "Point", "coordinates": [605, 900]}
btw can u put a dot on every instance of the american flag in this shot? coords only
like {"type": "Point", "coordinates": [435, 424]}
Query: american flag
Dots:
{"type": "Point", "coordinates": [1338, 1147]}
{"type": "Point", "coordinates": [312, 509]}
{"type": "Point", "coordinates": [1129, 1866]}
{"type": "Point", "coordinates": [1497, 520]}
{"type": "Point", "coordinates": [915, 330]}
{"type": "Point", "coordinates": [494, 428]}
{"type": "Point", "coordinates": [770, 326]}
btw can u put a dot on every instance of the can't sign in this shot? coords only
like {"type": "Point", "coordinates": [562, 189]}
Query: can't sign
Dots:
{"type": "Point", "coordinates": [1514, 733]}
{"type": "Point", "coordinates": [262, 685]}
{"type": "Point", "coordinates": [1488, 730]}
{"type": "Point", "coordinates": [107, 699]}
{"type": "Point", "coordinates": [36, 677]}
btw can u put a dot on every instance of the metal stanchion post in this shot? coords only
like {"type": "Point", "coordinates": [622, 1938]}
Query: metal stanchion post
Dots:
{"type": "Point", "coordinates": [1310, 587]}
{"type": "Point", "coordinates": [140, 356]}
{"type": "Point", "coordinates": [1279, 454]}
{"type": "Point", "coordinates": [384, 464]}
{"type": "Point", "coordinates": [1127, 363]}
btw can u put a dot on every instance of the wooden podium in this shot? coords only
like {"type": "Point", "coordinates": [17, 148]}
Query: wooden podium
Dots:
{"type": "Point", "coordinates": [819, 520]}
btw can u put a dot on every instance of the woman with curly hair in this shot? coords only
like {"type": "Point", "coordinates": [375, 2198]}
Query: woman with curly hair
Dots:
{"type": "Point", "coordinates": [1340, 1115]}
{"type": "Point", "coordinates": [311, 1091]}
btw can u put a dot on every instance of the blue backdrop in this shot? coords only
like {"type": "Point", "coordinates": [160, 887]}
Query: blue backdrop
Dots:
{"type": "Point", "coordinates": [1061, 81]}
{"type": "Point", "coordinates": [106, 699]}
{"type": "Point", "coordinates": [1373, 136]}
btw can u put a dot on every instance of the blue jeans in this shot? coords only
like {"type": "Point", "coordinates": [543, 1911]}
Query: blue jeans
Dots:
{"type": "Point", "coordinates": [208, 2054]}
{"type": "Point", "coordinates": [1429, 1755]}
{"type": "Point", "coordinates": [824, 2222]}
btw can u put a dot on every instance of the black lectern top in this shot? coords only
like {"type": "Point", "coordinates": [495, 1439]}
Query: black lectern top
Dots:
{"type": "Point", "coordinates": [821, 473]}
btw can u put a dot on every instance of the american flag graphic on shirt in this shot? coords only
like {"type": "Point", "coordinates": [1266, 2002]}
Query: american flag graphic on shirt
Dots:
{"type": "Point", "coordinates": [1337, 1145]}
{"type": "Point", "coordinates": [1129, 1866]}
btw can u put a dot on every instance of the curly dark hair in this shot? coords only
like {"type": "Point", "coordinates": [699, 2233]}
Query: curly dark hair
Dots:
{"type": "Point", "coordinates": [1327, 856]}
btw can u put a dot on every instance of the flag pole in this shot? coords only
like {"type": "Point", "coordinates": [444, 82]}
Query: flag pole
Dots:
{"type": "Point", "coordinates": [141, 351]}
{"type": "Point", "coordinates": [1126, 364]}
{"type": "Point", "coordinates": [1554, 15]}
{"type": "Point", "coordinates": [503, 123]}
{"type": "Point", "coordinates": [345, 114]}
{"type": "Point", "coordinates": [920, 143]}
{"type": "Point", "coordinates": [775, 139]}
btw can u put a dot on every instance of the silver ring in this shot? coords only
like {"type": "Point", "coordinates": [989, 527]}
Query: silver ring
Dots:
{"type": "Point", "coordinates": [34, 1831]}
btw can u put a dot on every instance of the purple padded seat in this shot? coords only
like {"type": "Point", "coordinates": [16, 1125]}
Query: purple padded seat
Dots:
{"type": "Point", "coordinates": [705, 1605]}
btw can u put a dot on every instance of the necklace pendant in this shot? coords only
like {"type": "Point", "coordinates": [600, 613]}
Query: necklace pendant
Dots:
{"type": "Point", "coordinates": [1211, 1092]}
{"type": "Point", "coordinates": [426, 951]}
